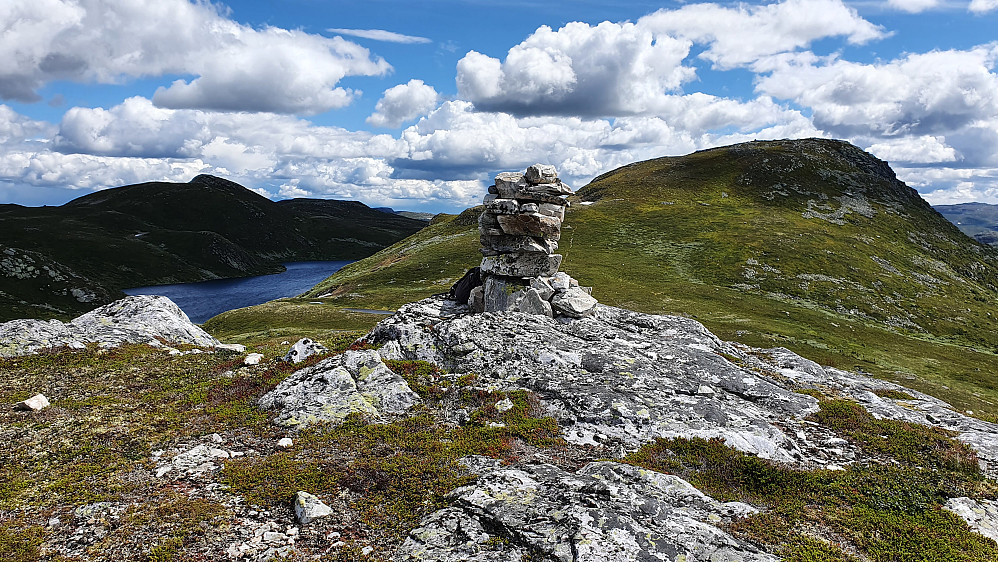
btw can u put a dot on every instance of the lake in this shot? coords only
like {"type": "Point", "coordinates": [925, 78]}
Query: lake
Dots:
{"type": "Point", "coordinates": [205, 299]}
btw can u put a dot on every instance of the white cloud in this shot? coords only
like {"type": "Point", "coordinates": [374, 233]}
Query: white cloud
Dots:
{"type": "Point", "coordinates": [608, 69]}
{"type": "Point", "coordinates": [236, 67]}
{"type": "Point", "coordinates": [380, 35]}
{"type": "Point", "coordinates": [925, 149]}
{"type": "Point", "coordinates": [947, 186]}
{"type": "Point", "coordinates": [740, 35]}
{"type": "Point", "coordinates": [913, 6]}
{"type": "Point", "coordinates": [921, 94]}
{"type": "Point", "coordinates": [616, 69]}
{"type": "Point", "coordinates": [983, 6]}
{"type": "Point", "coordinates": [402, 103]}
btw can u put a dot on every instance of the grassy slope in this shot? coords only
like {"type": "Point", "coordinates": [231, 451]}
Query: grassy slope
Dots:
{"type": "Point", "coordinates": [722, 236]}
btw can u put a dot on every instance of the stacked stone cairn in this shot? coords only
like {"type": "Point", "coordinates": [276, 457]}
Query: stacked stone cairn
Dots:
{"type": "Point", "coordinates": [520, 229]}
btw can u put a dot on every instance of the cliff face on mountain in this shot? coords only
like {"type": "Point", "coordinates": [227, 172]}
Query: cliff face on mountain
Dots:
{"type": "Point", "coordinates": [61, 261]}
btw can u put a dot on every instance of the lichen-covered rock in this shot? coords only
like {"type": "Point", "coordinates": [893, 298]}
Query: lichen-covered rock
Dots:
{"type": "Point", "coordinates": [302, 350]}
{"type": "Point", "coordinates": [308, 508]}
{"type": "Point", "coordinates": [354, 382]}
{"type": "Point", "coordinates": [981, 516]}
{"type": "Point", "coordinates": [573, 302]}
{"type": "Point", "coordinates": [606, 511]}
{"type": "Point", "coordinates": [624, 377]}
{"type": "Point", "coordinates": [134, 319]}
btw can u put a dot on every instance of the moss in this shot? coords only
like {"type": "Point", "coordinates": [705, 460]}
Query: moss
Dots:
{"type": "Point", "coordinates": [20, 544]}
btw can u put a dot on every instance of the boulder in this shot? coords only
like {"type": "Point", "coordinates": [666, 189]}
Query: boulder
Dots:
{"type": "Point", "coordinates": [521, 265]}
{"type": "Point", "coordinates": [253, 359]}
{"type": "Point", "coordinates": [476, 299]}
{"type": "Point", "coordinates": [135, 319]}
{"type": "Point", "coordinates": [502, 293]}
{"type": "Point", "coordinates": [501, 207]}
{"type": "Point", "coordinates": [606, 511]}
{"type": "Point", "coordinates": [981, 516]}
{"type": "Point", "coordinates": [541, 173]}
{"type": "Point", "coordinates": [33, 404]}
{"type": "Point", "coordinates": [308, 508]}
{"type": "Point", "coordinates": [531, 224]}
{"type": "Point", "coordinates": [302, 350]}
{"type": "Point", "coordinates": [354, 382]}
{"type": "Point", "coordinates": [573, 302]}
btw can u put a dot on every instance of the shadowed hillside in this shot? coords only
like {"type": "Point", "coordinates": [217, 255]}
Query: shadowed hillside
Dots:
{"type": "Point", "coordinates": [60, 261]}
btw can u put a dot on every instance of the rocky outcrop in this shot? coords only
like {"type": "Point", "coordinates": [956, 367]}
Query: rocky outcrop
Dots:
{"type": "Point", "coordinates": [981, 516]}
{"type": "Point", "coordinates": [605, 511]}
{"type": "Point", "coordinates": [624, 378]}
{"type": "Point", "coordinates": [136, 319]}
{"type": "Point", "coordinates": [354, 382]}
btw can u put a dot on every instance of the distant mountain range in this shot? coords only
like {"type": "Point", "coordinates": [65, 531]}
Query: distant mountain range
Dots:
{"type": "Point", "coordinates": [979, 220]}
{"type": "Point", "coordinates": [60, 261]}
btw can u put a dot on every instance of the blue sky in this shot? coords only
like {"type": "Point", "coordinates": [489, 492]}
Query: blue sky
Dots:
{"type": "Point", "coordinates": [417, 105]}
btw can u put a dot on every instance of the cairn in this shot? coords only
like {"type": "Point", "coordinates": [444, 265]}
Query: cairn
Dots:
{"type": "Point", "coordinates": [520, 229]}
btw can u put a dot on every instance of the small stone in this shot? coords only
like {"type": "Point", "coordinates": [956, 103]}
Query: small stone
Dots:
{"type": "Point", "coordinates": [543, 288]}
{"type": "Point", "coordinates": [531, 224]}
{"type": "Point", "coordinates": [529, 208]}
{"type": "Point", "coordinates": [272, 537]}
{"type": "Point", "coordinates": [574, 303]}
{"type": "Point", "coordinates": [504, 405]}
{"type": "Point", "coordinates": [237, 347]}
{"type": "Point", "coordinates": [308, 508]}
{"type": "Point", "coordinates": [253, 359]}
{"type": "Point", "coordinates": [367, 550]}
{"type": "Point", "coordinates": [502, 207]}
{"type": "Point", "coordinates": [302, 349]}
{"type": "Point", "coordinates": [541, 173]}
{"type": "Point", "coordinates": [705, 390]}
{"type": "Point", "coordinates": [216, 438]}
{"type": "Point", "coordinates": [532, 303]}
{"type": "Point", "coordinates": [521, 265]}
{"type": "Point", "coordinates": [476, 299]}
{"type": "Point", "coordinates": [552, 210]}
{"type": "Point", "coordinates": [285, 442]}
{"type": "Point", "coordinates": [35, 403]}
{"type": "Point", "coordinates": [561, 281]}
{"type": "Point", "coordinates": [493, 190]}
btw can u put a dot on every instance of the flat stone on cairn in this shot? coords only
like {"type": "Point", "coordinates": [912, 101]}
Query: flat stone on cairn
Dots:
{"type": "Point", "coordinates": [519, 232]}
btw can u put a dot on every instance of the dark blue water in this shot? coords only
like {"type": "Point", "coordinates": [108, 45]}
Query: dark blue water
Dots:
{"type": "Point", "coordinates": [203, 300]}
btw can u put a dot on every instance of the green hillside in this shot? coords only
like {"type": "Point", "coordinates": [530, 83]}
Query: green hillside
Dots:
{"type": "Point", "coordinates": [812, 245]}
{"type": "Point", "coordinates": [61, 261]}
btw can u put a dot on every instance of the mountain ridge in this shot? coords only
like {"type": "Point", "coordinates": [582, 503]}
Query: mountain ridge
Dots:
{"type": "Point", "coordinates": [160, 232]}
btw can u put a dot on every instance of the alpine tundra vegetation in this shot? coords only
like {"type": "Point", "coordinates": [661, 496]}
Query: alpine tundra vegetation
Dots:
{"type": "Point", "coordinates": [792, 358]}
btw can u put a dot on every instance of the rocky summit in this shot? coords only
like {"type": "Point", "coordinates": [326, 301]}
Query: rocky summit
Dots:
{"type": "Point", "coordinates": [621, 379]}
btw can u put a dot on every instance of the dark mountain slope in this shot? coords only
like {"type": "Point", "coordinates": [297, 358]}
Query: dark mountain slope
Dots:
{"type": "Point", "coordinates": [979, 220]}
{"type": "Point", "coordinates": [156, 233]}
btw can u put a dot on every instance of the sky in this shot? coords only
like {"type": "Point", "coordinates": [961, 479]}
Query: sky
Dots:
{"type": "Point", "coordinates": [417, 105]}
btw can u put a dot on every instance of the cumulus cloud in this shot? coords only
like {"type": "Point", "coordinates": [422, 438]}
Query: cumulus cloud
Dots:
{"type": "Point", "coordinates": [236, 67]}
{"type": "Point", "coordinates": [920, 94]}
{"type": "Point", "coordinates": [743, 34]}
{"type": "Point", "coordinates": [925, 149]}
{"type": "Point", "coordinates": [380, 35]}
{"type": "Point", "coordinates": [913, 6]}
{"type": "Point", "coordinates": [608, 69]}
{"type": "Point", "coordinates": [616, 69]}
{"type": "Point", "coordinates": [983, 6]}
{"type": "Point", "coordinates": [402, 103]}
